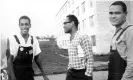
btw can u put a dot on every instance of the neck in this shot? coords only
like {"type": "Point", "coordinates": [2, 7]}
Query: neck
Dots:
{"type": "Point", "coordinates": [119, 26]}
{"type": "Point", "coordinates": [73, 32]}
{"type": "Point", "coordinates": [25, 35]}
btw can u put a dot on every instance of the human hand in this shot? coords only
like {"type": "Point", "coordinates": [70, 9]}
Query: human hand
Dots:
{"type": "Point", "coordinates": [90, 78]}
{"type": "Point", "coordinates": [13, 78]}
{"type": "Point", "coordinates": [45, 78]}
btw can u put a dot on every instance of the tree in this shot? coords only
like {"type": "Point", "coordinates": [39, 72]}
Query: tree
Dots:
{"type": "Point", "coordinates": [37, 37]}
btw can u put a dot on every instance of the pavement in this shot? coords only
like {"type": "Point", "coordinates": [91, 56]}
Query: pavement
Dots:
{"type": "Point", "coordinates": [97, 75]}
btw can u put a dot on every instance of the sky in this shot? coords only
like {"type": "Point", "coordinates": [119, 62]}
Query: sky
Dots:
{"type": "Point", "coordinates": [41, 12]}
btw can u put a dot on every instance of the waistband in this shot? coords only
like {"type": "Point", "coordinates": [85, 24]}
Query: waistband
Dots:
{"type": "Point", "coordinates": [77, 70]}
{"type": "Point", "coordinates": [115, 73]}
{"type": "Point", "coordinates": [23, 65]}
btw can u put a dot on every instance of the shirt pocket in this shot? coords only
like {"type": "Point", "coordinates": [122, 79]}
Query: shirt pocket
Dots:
{"type": "Point", "coordinates": [121, 42]}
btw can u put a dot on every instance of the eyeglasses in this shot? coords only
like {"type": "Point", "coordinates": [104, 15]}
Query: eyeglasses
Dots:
{"type": "Point", "coordinates": [67, 22]}
{"type": "Point", "coordinates": [22, 24]}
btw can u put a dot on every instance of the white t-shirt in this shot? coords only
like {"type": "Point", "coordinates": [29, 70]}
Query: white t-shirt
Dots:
{"type": "Point", "coordinates": [14, 45]}
{"type": "Point", "coordinates": [3, 48]}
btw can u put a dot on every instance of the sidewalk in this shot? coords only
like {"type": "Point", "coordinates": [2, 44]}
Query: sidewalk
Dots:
{"type": "Point", "coordinates": [99, 75]}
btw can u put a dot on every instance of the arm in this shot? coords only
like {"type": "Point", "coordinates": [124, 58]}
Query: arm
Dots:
{"type": "Point", "coordinates": [128, 74]}
{"type": "Point", "coordinates": [8, 49]}
{"type": "Point", "coordinates": [87, 47]}
{"type": "Point", "coordinates": [36, 52]}
{"type": "Point", "coordinates": [12, 51]}
{"type": "Point", "coordinates": [39, 64]}
{"type": "Point", "coordinates": [10, 67]}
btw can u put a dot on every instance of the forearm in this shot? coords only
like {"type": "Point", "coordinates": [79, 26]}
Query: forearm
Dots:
{"type": "Point", "coordinates": [39, 64]}
{"type": "Point", "coordinates": [10, 67]}
{"type": "Point", "coordinates": [89, 65]}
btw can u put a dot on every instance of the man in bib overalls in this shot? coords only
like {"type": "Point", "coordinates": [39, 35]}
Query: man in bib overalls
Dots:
{"type": "Point", "coordinates": [121, 57]}
{"type": "Point", "coordinates": [23, 49]}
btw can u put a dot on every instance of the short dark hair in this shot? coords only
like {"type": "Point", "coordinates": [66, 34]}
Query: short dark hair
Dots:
{"type": "Point", "coordinates": [122, 4]}
{"type": "Point", "coordinates": [25, 17]}
{"type": "Point", "coordinates": [73, 18]}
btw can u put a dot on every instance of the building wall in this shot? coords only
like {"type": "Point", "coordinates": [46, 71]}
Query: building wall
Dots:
{"type": "Point", "coordinates": [104, 29]}
{"type": "Point", "coordinates": [97, 27]}
{"type": "Point", "coordinates": [130, 11]}
{"type": "Point", "coordinates": [84, 10]}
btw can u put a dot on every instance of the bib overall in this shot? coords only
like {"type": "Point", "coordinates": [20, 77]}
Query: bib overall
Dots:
{"type": "Point", "coordinates": [23, 62]}
{"type": "Point", "coordinates": [117, 64]}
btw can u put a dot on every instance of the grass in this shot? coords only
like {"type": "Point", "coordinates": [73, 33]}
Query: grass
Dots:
{"type": "Point", "coordinates": [55, 64]}
{"type": "Point", "coordinates": [52, 63]}
{"type": "Point", "coordinates": [103, 57]}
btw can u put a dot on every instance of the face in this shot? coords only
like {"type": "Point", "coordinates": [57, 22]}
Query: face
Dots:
{"type": "Point", "coordinates": [68, 25]}
{"type": "Point", "coordinates": [116, 15]}
{"type": "Point", "coordinates": [24, 26]}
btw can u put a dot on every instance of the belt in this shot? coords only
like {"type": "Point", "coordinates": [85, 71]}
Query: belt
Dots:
{"type": "Point", "coordinates": [77, 70]}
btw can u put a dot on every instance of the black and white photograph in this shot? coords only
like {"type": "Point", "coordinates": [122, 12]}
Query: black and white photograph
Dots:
{"type": "Point", "coordinates": [66, 40]}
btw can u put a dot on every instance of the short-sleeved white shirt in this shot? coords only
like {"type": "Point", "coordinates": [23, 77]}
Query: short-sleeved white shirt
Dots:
{"type": "Point", "coordinates": [14, 45]}
{"type": "Point", "coordinates": [3, 48]}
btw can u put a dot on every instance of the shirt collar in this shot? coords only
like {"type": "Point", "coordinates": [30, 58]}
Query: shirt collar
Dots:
{"type": "Point", "coordinates": [125, 25]}
{"type": "Point", "coordinates": [122, 27]}
{"type": "Point", "coordinates": [20, 36]}
{"type": "Point", "coordinates": [75, 35]}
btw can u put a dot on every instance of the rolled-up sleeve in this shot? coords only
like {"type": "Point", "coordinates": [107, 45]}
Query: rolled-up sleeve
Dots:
{"type": "Point", "coordinates": [36, 47]}
{"type": "Point", "coordinates": [13, 46]}
{"type": "Point", "coordinates": [128, 74]}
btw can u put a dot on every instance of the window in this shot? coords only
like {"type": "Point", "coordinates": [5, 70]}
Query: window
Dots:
{"type": "Point", "coordinates": [66, 8]}
{"type": "Point", "coordinates": [77, 11]}
{"type": "Point", "coordinates": [83, 7]}
{"type": "Point", "coordinates": [72, 1]}
{"type": "Point", "coordinates": [93, 40]}
{"type": "Point", "coordinates": [91, 21]}
{"type": "Point", "coordinates": [91, 3]}
{"type": "Point", "coordinates": [84, 24]}
{"type": "Point", "coordinates": [79, 26]}
{"type": "Point", "coordinates": [73, 12]}
{"type": "Point", "coordinates": [69, 4]}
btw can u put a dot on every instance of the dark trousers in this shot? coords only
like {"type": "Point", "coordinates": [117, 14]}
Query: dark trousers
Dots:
{"type": "Point", "coordinates": [23, 72]}
{"type": "Point", "coordinates": [73, 74]}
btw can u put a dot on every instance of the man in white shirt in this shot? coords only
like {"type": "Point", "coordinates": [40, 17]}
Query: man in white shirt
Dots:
{"type": "Point", "coordinates": [3, 57]}
{"type": "Point", "coordinates": [23, 49]}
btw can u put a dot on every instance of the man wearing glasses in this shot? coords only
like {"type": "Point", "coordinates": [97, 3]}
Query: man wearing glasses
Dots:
{"type": "Point", "coordinates": [80, 66]}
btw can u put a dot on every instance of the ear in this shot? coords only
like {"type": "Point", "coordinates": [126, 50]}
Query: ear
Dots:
{"type": "Point", "coordinates": [72, 22]}
{"type": "Point", "coordinates": [30, 26]}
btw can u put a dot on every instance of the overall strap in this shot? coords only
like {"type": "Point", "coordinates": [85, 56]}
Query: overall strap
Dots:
{"type": "Point", "coordinates": [123, 32]}
{"type": "Point", "coordinates": [32, 44]}
{"type": "Point", "coordinates": [32, 40]}
{"type": "Point", "coordinates": [17, 39]}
